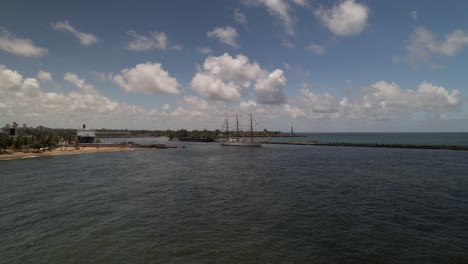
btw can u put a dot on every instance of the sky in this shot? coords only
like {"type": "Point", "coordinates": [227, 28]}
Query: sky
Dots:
{"type": "Point", "coordinates": [320, 66]}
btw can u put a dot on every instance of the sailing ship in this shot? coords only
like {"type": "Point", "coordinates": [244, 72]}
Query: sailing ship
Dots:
{"type": "Point", "coordinates": [238, 141]}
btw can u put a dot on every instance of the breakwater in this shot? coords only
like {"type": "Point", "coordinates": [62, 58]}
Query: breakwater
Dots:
{"type": "Point", "coordinates": [371, 145]}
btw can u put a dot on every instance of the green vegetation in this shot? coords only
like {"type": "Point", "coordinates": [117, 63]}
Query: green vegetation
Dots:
{"type": "Point", "coordinates": [182, 133]}
{"type": "Point", "coordinates": [36, 139]}
{"type": "Point", "coordinates": [43, 138]}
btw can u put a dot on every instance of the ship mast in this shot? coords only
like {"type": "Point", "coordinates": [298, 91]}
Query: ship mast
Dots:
{"type": "Point", "coordinates": [251, 128]}
{"type": "Point", "coordinates": [227, 128]}
{"type": "Point", "coordinates": [237, 125]}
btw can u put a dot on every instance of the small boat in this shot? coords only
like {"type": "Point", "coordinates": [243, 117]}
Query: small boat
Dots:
{"type": "Point", "coordinates": [238, 141]}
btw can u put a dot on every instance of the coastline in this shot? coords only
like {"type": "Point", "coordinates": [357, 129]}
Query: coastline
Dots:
{"type": "Point", "coordinates": [58, 152]}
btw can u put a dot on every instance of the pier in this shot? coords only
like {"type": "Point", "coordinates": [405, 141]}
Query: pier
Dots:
{"type": "Point", "coordinates": [371, 145]}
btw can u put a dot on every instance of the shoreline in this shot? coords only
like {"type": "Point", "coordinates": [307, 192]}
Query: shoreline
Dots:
{"type": "Point", "coordinates": [59, 152]}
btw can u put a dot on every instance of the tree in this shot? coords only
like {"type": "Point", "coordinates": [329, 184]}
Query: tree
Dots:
{"type": "Point", "coordinates": [5, 142]}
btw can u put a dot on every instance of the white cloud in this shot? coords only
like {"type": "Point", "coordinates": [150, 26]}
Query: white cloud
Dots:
{"type": "Point", "coordinates": [423, 40]}
{"type": "Point", "coordinates": [294, 112]}
{"type": "Point", "coordinates": [224, 78]}
{"type": "Point", "coordinates": [270, 89]}
{"type": "Point", "coordinates": [24, 100]}
{"type": "Point", "coordinates": [345, 19]}
{"type": "Point", "coordinates": [45, 77]}
{"type": "Point", "coordinates": [85, 39]}
{"type": "Point", "coordinates": [388, 100]}
{"type": "Point", "coordinates": [196, 103]}
{"type": "Point", "coordinates": [226, 35]}
{"type": "Point", "coordinates": [240, 17]}
{"type": "Point", "coordinates": [381, 100]}
{"type": "Point", "coordinates": [313, 105]}
{"type": "Point", "coordinates": [214, 88]}
{"type": "Point", "coordinates": [317, 49]}
{"type": "Point", "coordinates": [19, 46]}
{"type": "Point", "coordinates": [423, 44]}
{"type": "Point", "coordinates": [247, 104]}
{"type": "Point", "coordinates": [74, 79]}
{"type": "Point", "coordinates": [9, 79]}
{"type": "Point", "coordinates": [204, 50]}
{"type": "Point", "coordinates": [437, 98]}
{"type": "Point", "coordinates": [147, 78]}
{"type": "Point", "coordinates": [414, 15]}
{"type": "Point", "coordinates": [280, 9]}
{"type": "Point", "coordinates": [27, 101]}
{"type": "Point", "coordinates": [154, 40]}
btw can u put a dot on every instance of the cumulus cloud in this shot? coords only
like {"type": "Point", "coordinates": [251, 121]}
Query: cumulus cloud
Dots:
{"type": "Point", "coordinates": [309, 104]}
{"type": "Point", "coordinates": [28, 101]}
{"type": "Point", "coordinates": [80, 83]}
{"type": "Point", "coordinates": [224, 78]}
{"type": "Point", "coordinates": [345, 19]}
{"type": "Point", "coordinates": [423, 44]}
{"type": "Point", "coordinates": [24, 99]}
{"type": "Point", "coordinates": [214, 88]}
{"type": "Point", "coordinates": [85, 39]}
{"type": "Point", "coordinates": [248, 104]}
{"type": "Point", "coordinates": [270, 89]}
{"type": "Point", "coordinates": [388, 100]}
{"type": "Point", "coordinates": [154, 40]}
{"type": "Point", "coordinates": [9, 79]}
{"type": "Point", "coordinates": [381, 100]}
{"type": "Point", "coordinates": [227, 35]}
{"type": "Point", "coordinates": [44, 77]}
{"type": "Point", "coordinates": [19, 46]}
{"type": "Point", "coordinates": [196, 103]}
{"type": "Point", "coordinates": [317, 49]}
{"type": "Point", "coordinates": [147, 78]}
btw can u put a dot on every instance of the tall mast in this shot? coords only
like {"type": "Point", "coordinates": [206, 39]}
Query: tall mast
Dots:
{"type": "Point", "coordinates": [227, 128]}
{"type": "Point", "coordinates": [251, 128]}
{"type": "Point", "coordinates": [237, 125]}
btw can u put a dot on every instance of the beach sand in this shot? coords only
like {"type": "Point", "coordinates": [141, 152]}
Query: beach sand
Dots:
{"type": "Point", "coordinates": [57, 152]}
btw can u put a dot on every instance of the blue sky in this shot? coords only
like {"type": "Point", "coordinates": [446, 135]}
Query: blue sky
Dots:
{"type": "Point", "coordinates": [318, 65]}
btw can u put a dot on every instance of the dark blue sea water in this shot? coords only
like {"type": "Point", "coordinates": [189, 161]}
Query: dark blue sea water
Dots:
{"type": "Point", "coordinates": [212, 204]}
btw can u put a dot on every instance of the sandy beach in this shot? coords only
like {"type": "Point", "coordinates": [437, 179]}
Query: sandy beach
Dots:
{"type": "Point", "coordinates": [57, 152]}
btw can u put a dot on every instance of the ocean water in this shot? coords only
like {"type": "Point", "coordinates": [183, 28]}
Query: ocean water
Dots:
{"type": "Point", "coordinates": [213, 204]}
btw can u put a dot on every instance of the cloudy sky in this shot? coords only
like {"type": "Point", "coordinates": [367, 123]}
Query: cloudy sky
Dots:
{"type": "Point", "coordinates": [333, 66]}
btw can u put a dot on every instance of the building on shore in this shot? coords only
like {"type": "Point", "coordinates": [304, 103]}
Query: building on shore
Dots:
{"type": "Point", "coordinates": [85, 135]}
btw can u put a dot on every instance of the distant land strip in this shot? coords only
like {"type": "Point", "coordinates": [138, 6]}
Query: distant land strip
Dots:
{"type": "Point", "coordinates": [372, 145]}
